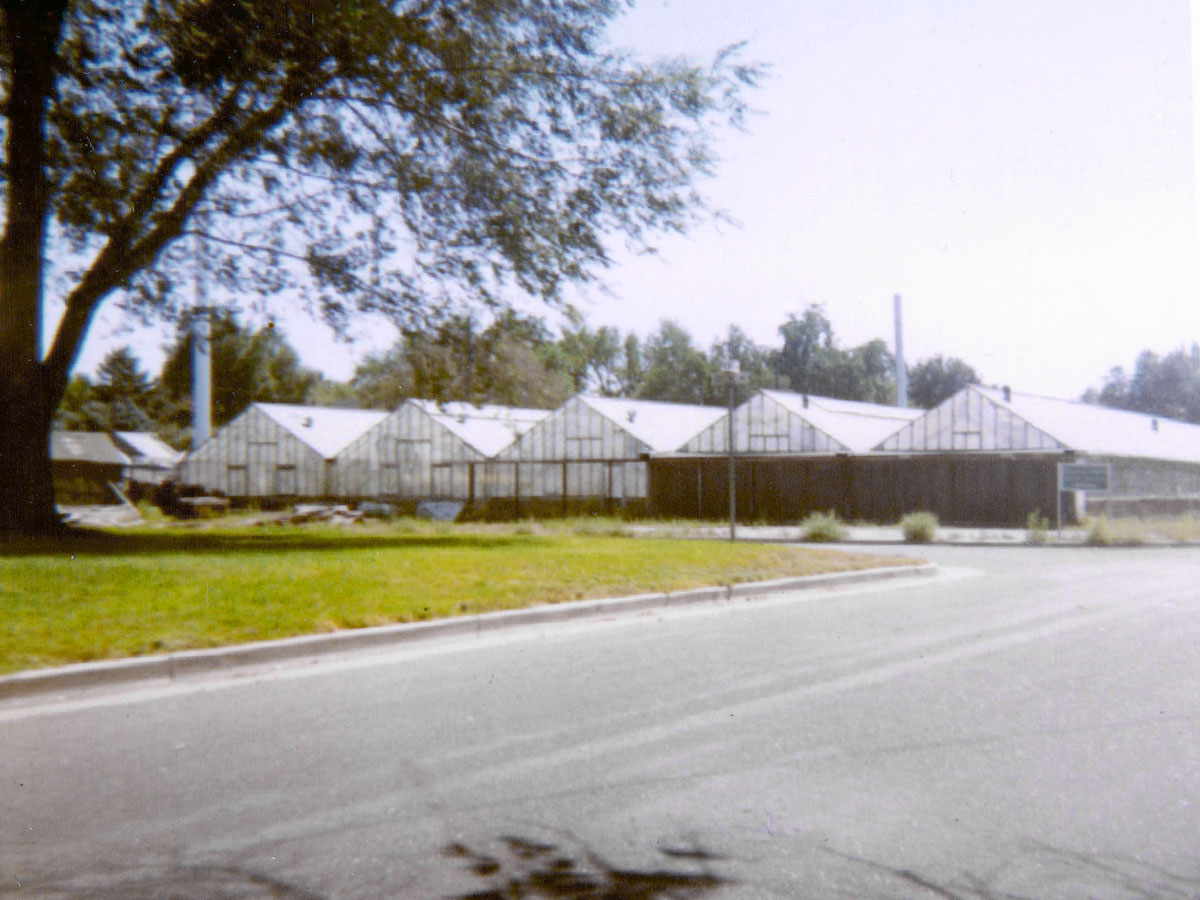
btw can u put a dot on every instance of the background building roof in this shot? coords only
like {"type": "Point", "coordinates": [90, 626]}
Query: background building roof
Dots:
{"type": "Point", "coordinates": [145, 445]}
{"type": "Point", "coordinates": [85, 446]}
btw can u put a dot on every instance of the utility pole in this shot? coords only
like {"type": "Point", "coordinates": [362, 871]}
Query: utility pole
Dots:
{"type": "Point", "coordinates": [901, 368]}
{"type": "Point", "coordinates": [201, 352]}
{"type": "Point", "coordinates": [733, 374]}
{"type": "Point", "coordinates": [201, 377]}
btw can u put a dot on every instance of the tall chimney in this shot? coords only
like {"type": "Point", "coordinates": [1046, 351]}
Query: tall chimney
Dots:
{"type": "Point", "coordinates": [201, 378]}
{"type": "Point", "coordinates": [901, 369]}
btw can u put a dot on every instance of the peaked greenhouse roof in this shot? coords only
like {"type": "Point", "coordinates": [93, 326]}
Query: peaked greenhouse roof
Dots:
{"type": "Point", "coordinates": [662, 427]}
{"type": "Point", "coordinates": [1101, 430]}
{"type": "Point", "coordinates": [487, 428]}
{"type": "Point", "coordinates": [327, 430]}
{"type": "Point", "coordinates": [855, 425]}
{"type": "Point", "coordinates": [996, 419]}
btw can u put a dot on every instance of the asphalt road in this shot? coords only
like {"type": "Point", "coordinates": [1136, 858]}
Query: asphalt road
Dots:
{"type": "Point", "coordinates": [1026, 725]}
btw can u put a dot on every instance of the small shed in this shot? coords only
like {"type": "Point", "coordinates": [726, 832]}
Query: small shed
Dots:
{"type": "Point", "coordinates": [592, 449]}
{"type": "Point", "coordinates": [427, 450]}
{"type": "Point", "coordinates": [151, 459]}
{"type": "Point", "coordinates": [784, 422]}
{"type": "Point", "coordinates": [83, 465]}
{"type": "Point", "coordinates": [276, 450]}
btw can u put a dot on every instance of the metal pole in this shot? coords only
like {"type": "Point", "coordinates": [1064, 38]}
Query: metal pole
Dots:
{"type": "Point", "coordinates": [901, 368]}
{"type": "Point", "coordinates": [732, 469]}
{"type": "Point", "coordinates": [1058, 495]}
{"type": "Point", "coordinates": [201, 378]}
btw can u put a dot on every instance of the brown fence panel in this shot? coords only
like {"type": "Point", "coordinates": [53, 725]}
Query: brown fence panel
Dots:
{"type": "Point", "coordinates": [961, 489]}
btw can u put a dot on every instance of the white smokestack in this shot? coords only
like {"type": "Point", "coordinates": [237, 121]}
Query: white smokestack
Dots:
{"type": "Point", "coordinates": [901, 369]}
{"type": "Point", "coordinates": [1195, 54]}
{"type": "Point", "coordinates": [201, 379]}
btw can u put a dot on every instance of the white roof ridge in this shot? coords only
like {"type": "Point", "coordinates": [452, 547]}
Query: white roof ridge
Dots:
{"type": "Point", "coordinates": [486, 431]}
{"type": "Point", "coordinates": [990, 389]}
{"type": "Point", "coordinates": [1007, 392]}
{"type": "Point", "coordinates": [698, 417]}
{"type": "Point", "coordinates": [327, 442]}
{"type": "Point", "coordinates": [1095, 429]}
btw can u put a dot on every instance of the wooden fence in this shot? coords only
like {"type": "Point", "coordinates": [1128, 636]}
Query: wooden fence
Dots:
{"type": "Point", "coordinates": [997, 490]}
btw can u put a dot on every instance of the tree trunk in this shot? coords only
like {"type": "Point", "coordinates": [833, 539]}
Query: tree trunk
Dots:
{"type": "Point", "coordinates": [26, 480]}
{"type": "Point", "coordinates": [27, 398]}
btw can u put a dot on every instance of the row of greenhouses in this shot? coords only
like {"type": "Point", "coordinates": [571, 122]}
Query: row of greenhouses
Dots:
{"type": "Point", "coordinates": [982, 448]}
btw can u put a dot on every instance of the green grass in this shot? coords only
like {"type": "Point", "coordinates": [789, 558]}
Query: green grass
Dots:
{"type": "Point", "coordinates": [133, 591]}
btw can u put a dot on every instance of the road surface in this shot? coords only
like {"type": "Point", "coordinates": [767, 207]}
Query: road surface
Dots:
{"type": "Point", "coordinates": [1025, 725]}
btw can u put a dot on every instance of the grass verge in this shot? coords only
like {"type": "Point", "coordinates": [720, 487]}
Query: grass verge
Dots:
{"type": "Point", "coordinates": [128, 592]}
{"type": "Point", "coordinates": [1105, 532]}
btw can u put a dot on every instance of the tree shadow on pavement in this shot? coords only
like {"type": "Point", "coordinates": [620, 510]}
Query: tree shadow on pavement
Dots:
{"type": "Point", "coordinates": [1039, 872]}
{"type": "Point", "coordinates": [516, 868]}
{"type": "Point", "coordinates": [165, 883]}
{"type": "Point", "coordinates": [524, 868]}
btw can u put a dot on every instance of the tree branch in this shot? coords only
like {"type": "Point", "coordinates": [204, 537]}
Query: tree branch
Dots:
{"type": "Point", "coordinates": [120, 259]}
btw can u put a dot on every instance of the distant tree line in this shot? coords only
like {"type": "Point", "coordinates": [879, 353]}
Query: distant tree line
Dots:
{"type": "Point", "coordinates": [512, 359]}
{"type": "Point", "coordinates": [1167, 386]}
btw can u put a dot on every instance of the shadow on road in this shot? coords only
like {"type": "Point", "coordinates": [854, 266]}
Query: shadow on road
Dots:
{"type": "Point", "coordinates": [516, 868]}
{"type": "Point", "coordinates": [1040, 872]}
{"type": "Point", "coordinates": [525, 868]}
{"type": "Point", "coordinates": [166, 883]}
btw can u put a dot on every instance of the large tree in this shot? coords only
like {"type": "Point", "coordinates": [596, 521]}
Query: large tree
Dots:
{"type": "Point", "coordinates": [675, 369]}
{"type": "Point", "coordinates": [938, 378]}
{"type": "Point", "coordinates": [126, 391]}
{"type": "Point", "coordinates": [401, 156]}
{"type": "Point", "coordinates": [755, 366]}
{"type": "Point", "coordinates": [807, 344]}
{"type": "Point", "coordinates": [813, 363]}
{"type": "Point", "coordinates": [592, 356]}
{"type": "Point", "coordinates": [122, 399]}
{"type": "Point", "coordinates": [512, 361]}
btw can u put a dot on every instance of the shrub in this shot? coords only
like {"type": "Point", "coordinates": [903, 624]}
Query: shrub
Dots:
{"type": "Point", "coordinates": [1099, 533]}
{"type": "Point", "coordinates": [822, 527]}
{"type": "Point", "coordinates": [919, 527]}
{"type": "Point", "coordinates": [1106, 533]}
{"type": "Point", "coordinates": [1037, 527]}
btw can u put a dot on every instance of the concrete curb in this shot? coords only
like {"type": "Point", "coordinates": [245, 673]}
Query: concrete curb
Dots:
{"type": "Point", "coordinates": [190, 663]}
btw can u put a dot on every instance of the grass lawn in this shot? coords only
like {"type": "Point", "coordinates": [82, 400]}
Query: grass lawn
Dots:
{"type": "Point", "coordinates": [109, 594]}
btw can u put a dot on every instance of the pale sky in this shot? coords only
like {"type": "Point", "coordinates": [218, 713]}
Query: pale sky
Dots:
{"type": "Point", "coordinates": [1021, 171]}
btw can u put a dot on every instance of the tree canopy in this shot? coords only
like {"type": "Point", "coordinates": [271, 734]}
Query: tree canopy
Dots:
{"type": "Point", "coordinates": [123, 397]}
{"type": "Point", "coordinates": [512, 361]}
{"type": "Point", "coordinates": [938, 378]}
{"type": "Point", "coordinates": [1161, 385]}
{"type": "Point", "coordinates": [410, 157]}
